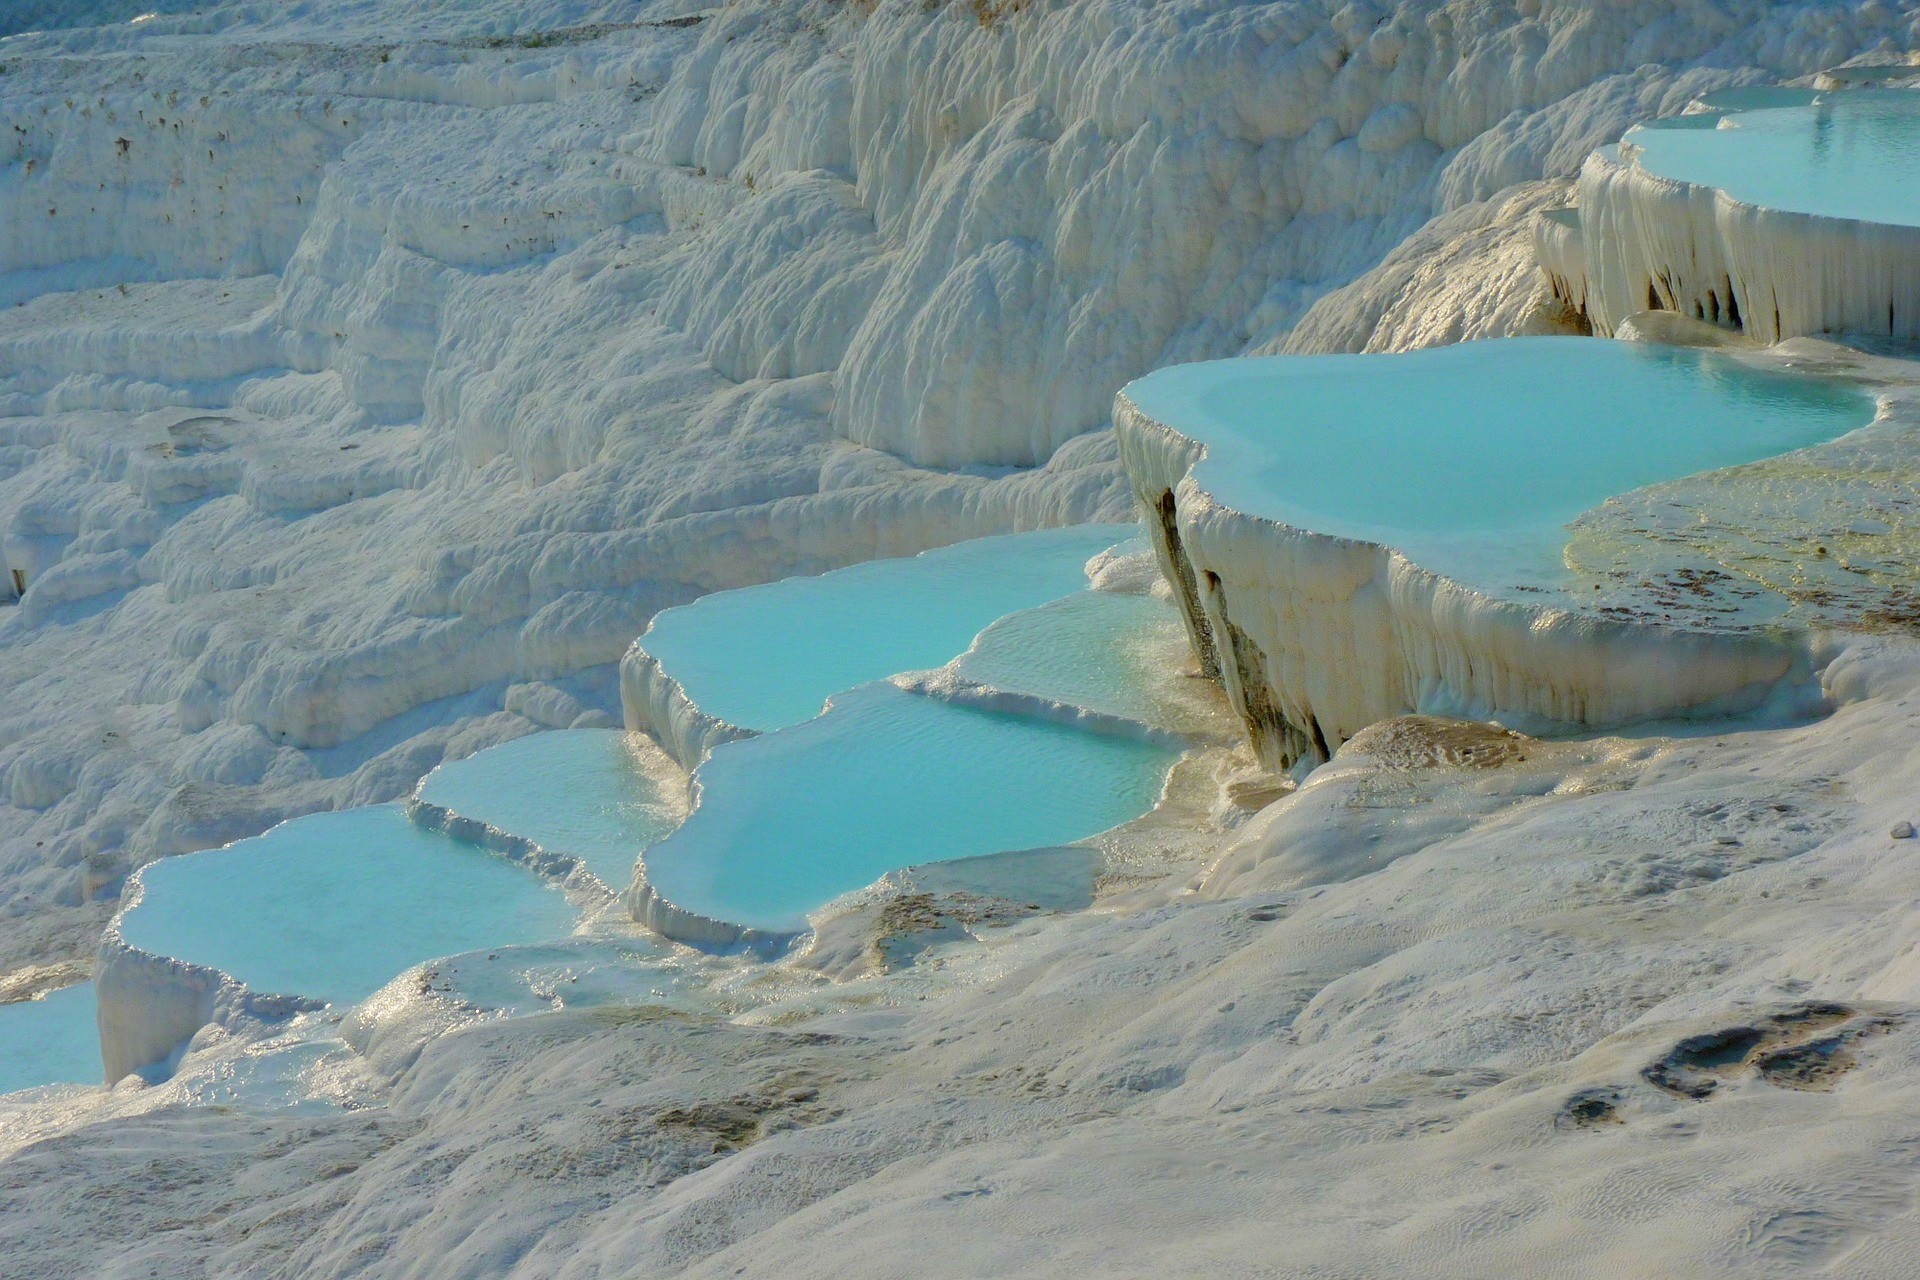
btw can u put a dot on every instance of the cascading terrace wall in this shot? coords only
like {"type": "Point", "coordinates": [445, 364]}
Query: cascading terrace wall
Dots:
{"type": "Point", "coordinates": [1314, 637]}
{"type": "Point", "coordinates": [1650, 243]}
{"type": "Point", "coordinates": [757, 268]}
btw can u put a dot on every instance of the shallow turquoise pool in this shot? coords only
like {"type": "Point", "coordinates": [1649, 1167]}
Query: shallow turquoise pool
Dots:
{"type": "Point", "coordinates": [1485, 450]}
{"type": "Point", "coordinates": [1093, 649]}
{"type": "Point", "coordinates": [334, 905]}
{"type": "Point", "coordinates": [52, 1040]}
{"type": "Point", "coordinates": [1851, 154]}
{"type": "Point", "coordinates": [887, 779]}
{"type": "Point", "coordinates": [584, 792]}
{"type": "Point", "coordinates": [770, 656]}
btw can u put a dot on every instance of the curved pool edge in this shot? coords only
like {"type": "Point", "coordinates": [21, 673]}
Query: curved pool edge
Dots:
{"type": "Point", "coordinates": [1646, 241]}
{"type": "Point", "coordinates": [656, 704]}
{"type": "Point", "coordinates": [584, 890]}
{"type": "Point", "coordinates": [652, 909]}
{"type": "Point", "coordinates": [151, 1006]}
{"type": "Point", "coordinates": [945, 685]}
{"type": "Point", "coordinates": [1315, 636]}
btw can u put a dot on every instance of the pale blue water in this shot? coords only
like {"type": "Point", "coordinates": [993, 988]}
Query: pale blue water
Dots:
{"type": "Point", "coordinates": [52, 1040]}
{"type": "Point", "coordinates": [1852, 154]}
{"type": "Point", "coordinates": [334, 905]}
{"type": "Point", "coordinates": [1093, 649]}
{"type": "Point", "coordinates": [575, 791]}
{"type": "Point", "coordinates": [887, 779]}
{"type": "Point", "coordinates": [770, 656]}
{"type": "Point", "coordinates": [1480, 451]}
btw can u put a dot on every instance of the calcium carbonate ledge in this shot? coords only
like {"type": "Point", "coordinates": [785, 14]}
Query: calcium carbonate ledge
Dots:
{"type": "Point", "coordinates": [585, 890]}
{"type": "Point", "coordinates": [151, 1006]}
{"type": "Point", "coordinates": [1315, 637]}
{"type": "Point", "coordinates": [651, 909]}
{"type": "Point", "coordinates": [1640, 241]}
{"type": "Point", "coordinates": [654, 703]}
{"type": "Point", "coordinates": [654, 910]}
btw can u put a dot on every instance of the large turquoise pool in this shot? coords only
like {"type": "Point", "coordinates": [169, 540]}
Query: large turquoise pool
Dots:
{"type": "Point", "coordinates": [333, 905]}
{"type": "Point", "coordinates": [770, 656]}
{"type": "Point", "coordinates": [52, 1040]}
{"type": "Point", "coordinates": [1484, 449]}
{"type": "Point", "coordinates": [584, 792]}
{"type": "Point", "coordinates": [1850, 154]}
{"type": "Point", "coordinates": [887, 779]}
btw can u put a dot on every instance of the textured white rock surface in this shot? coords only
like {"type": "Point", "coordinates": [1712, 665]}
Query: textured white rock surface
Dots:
{"type": "Point", "coordinates": [1157, 1086]}
{"type": "Point", "coordinates": [473, 409]}
{"type": "Point", "coordinates": [1231, 1075]}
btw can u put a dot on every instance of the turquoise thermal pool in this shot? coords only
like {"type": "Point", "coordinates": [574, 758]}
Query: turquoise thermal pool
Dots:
{"type": "Point", "coordinates": [52, 1040]}
{"type": "Point", "coordinates": [1093, 649]}
{"type": "Point", "coordinates": [887, 779]}
{"type": "Point", "coordinates": [583, 792]}
{"type": "Point", "coordinates": [334, 905]}
{"type": "Point", "coordinates": [1853, 154]}
{"type": "Point", "coordinates": [770, 656]}
{"type": "Point", "coordinates": [1477, 455]}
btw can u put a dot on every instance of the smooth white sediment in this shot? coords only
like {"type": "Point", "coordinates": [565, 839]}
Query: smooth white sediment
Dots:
{"type": "Point", "coordinates": [647, 907]}
{"type": "Point", "coordinates": [1316, 637]}
{"type": "Point", "coordinates": [581, 886]}
{"type": "Point", "coordinates": [949, 686]}
{"type": "Point", "coordinates": [947, 234]}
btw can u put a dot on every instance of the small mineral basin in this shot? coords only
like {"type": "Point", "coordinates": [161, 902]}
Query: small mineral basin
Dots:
{"type": "Point", "coordinates": [1852, 154]}
{"type": "Point", "coordinates": [770, 656]}
{"type": "Point", "coordinates": [1098, 650]}
{"type": "Point", "coordinates": [583, 792]}
{"type": "Point", "coordinates": [887, 779]}
{"type": "Point", "coordinates": [1473, 458]}
{"type": "Point", "coordinates": [333, 905]}
{"type": "Point", "coordinates": [52, 1040]}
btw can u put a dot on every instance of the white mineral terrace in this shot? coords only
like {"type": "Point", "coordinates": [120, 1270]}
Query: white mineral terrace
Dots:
{"type": "Point", "coordinates": [738, 663]}
{"type": "Point", "coordinates": [1047, 721]}
{"type": "Point", "coordinates": [1360, 537]}
{"type": "Point", "coordinates": [1776, 210]}
{"type": "Point", "coordinates": [374, 372]}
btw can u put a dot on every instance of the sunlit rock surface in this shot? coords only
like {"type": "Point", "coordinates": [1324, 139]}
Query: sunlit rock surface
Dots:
{"type": "Point", "coordinates": [777, 289]}
{"type": "Point", "coordinates": [455, 342]}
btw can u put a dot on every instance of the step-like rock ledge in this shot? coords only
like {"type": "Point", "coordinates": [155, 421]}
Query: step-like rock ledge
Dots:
{"type": "Point", "coordinates": [1353, 538]}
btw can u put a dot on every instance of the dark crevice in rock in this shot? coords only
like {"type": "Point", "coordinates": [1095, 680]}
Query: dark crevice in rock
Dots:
{"type": "Point", "coordinates": [1276, 741]}
{"type": "Point", "coordinates": [1807, 1047]}
{"type": "Point", "coordinates": [1184, 587]}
